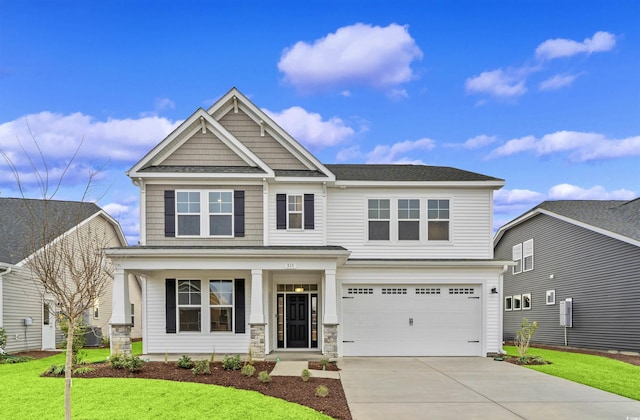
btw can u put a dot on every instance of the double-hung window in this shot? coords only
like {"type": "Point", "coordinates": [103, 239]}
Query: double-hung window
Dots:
{"type": "Point", "coordinates": [438, 217]}
{"type": "Point", "coordinates": [527, 255]}
{"type": "Point", "coordinates": [379, 217]}
{"type": "Point", "coordinates": [221, 305]}
{"type": "Point", "coordinates": [220, 213]}
{"type": "Point", "coordinates": [188, 213]}
{"type": "Point", "coordinates": [408, 220]}
{"type": "Point", "coordinates": [517, 258]}
{"type": "Point", "coordinates": [294, 212]}
{"type": "Point", "coordinates": [189, 302]}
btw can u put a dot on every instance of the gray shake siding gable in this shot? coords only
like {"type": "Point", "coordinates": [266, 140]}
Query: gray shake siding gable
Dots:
{"type": "Point", "coordinates": [253, 232]}
{"type": "Point", "coordinates": [600, 273]}
{"type": "Point", "coordinates": [204, 150]}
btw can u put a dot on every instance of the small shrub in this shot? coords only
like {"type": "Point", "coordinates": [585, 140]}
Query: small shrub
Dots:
{"type": "Point", "coordinates": [538, 360]}
{"type": "Point", "coordinates": [117, 361]}
{"type": "Point", "coordinates": [82, 370]}
{"type": "Point", "coordinates": [248, 370]}
{"type": "Point", "coordinates": [134, 364]}
{"type": "Point", "coordinates": [166, 358]}
{"type": "Point", "coordinates": [213, 356]}
{"type": "Point", "coordinates": [131, 363]}
{"type": "Point", "coordinates": [184, 362]}
{"type": "Point", "coordinates": [305, 375]}
{"type": "Point", "coordinates": [3, 339]}
{"type": "Point", "coordinates": [57, 370]}
{"type": "Point", "coordinates": [264, 377]}
{"type": "Point", "coordinates": [78, 338]}
{"type": "Point", "coordinates": [324, 362]}
{"type": "Point", "coordinates": [9, 360]}
{"type": "Point", "coordinates": [231, 362]}
{"type": "Point", "coordinates": [105, 341]}
{"type": "Point", "coordinates": [322, 391]}
{"type": "Point", "coordinates": [201, 367]}
{"type": "Point", "coordinates": [524, 335]}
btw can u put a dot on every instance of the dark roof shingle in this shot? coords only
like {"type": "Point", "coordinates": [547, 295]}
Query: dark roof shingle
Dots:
{"type": "Point", "coordinates": [373, 172]}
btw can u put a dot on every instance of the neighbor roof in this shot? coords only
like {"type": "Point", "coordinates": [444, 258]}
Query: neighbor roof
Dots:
{"type": "Point", "coordinates": [372, 172]}
{"type": "Point", "coordinates": [16, 224]}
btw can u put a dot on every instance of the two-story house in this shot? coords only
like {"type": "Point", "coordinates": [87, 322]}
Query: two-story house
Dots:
{"type": "Point", "coordinates": [249, 243]}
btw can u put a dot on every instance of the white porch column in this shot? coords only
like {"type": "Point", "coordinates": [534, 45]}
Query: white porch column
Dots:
{"type": "Point", "coordinates": [120, 322]}
{"type": "Point", "coordinates": [257, 311]}
{"type": "Point", "coordinates": [330, 297]}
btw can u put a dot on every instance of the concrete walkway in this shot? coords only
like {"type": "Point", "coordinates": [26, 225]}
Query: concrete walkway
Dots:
{"type": "Point", "coordinates": [469, 388]}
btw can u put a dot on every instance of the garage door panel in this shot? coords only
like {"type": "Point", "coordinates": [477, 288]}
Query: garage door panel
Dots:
{"type": "Point", "coordinates": [412, 321]}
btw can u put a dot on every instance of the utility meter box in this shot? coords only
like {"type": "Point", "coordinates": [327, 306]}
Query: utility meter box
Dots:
{"type": "Point", "coordinates": [566, 312]}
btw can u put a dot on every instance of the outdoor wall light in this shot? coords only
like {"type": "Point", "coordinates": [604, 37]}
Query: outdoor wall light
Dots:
{"type": "Point", "coordinates": [494, 290]}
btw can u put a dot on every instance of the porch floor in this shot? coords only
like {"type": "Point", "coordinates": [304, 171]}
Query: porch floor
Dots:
{"type": "Point", "coordinates": [294, 356]}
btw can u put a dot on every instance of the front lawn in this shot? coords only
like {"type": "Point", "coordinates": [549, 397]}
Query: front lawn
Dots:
{"type": "Point", "coordinates": [595, 371]}
{"type": "Point", "coordinates": [24, 394]}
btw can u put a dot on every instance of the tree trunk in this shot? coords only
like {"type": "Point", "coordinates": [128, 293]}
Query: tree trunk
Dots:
{"type": "Point", "coordinates": [68, 367]}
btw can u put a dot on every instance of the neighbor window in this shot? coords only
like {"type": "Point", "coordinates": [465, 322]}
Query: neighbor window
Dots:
{"type": "Point", "coordinates": [438, 220]}
{"type": "Point", "coordinates": [408, 220]}
{"type": "Point", "coordinates": [517, 258]}
{"type": "Point", "coordinates": [221, 304]}
{"type": "Point", "coordinates": [508, 303]}
{"type": "Point", "coordinates": [379, 215]}
{"type": "Point", "coordinates": [526, 301]}
{"type": "Point", "coordinates": [294, 212]}
{"type": "Point", "coordinates": [96, 309]}
{"type": "Point", "coordinates": [189, 300]}
{"type": "Point", "coordinates": [527, 255]}
{"type": "Point", "coordinates": [551, 297]}
{"type": "Point", "coordinates": [517, 302]}
{"type": "Point", "coordinates": [133, 315]}
{"type": "Point", "coordinates": [220, 213]}
{"type": "Point", "coordinates": [188, 213]}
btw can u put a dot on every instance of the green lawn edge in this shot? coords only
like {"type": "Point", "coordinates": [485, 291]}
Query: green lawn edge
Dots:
{"type": "Point", "coordinates": [25, 394]}
{"type": "Point", "coordinates": [595, 371]}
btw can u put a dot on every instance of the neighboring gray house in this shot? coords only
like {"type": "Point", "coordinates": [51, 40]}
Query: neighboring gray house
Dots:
{"type": "Point", "coordinates": [585, 250]}
{"type": "Point", "coordinates": [28, 317]}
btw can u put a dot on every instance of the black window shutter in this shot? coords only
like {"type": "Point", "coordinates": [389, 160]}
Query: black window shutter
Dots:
{"type": "Point", "coordinates": [170, 306]}
{"type": "Point", "coordinates": [308, 211]}
{"type": "Point", "coordinates": [238, 214]}
{"type": "Point", "coordinates": [170, 213]}
{"type": "Point", "coordinates": [281, 211]}
{"type": "Point", "coordinates": [239, 306]}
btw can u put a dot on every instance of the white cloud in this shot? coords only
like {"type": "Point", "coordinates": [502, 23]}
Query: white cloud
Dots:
{"type": "Point", "coordinates": [352, 153]}
{"type": "Point", "coordinates": [398, 94]}
{"type": "Point", "coordinates": [516, 200]}
{"type": "Point", "coordinates": [572, 192]}
{"type": "Point", "coordinates": [497, 83]}
{"type": "Point", "coordinates": [164, 103]}
{"type": "Point", "coordinates": [561, 47]}
{"type": "Point", "coordinates": [580, 146]}
{"type": "Point", "coordinates": [309, 128]}
{"type": "Point", "coordinates": [557, 82]}
{"type": "Point", "coordinates": [397, 153]}
{"type": "Point", "coordinates": [358, 54]}
{"type": "Point", "coordinates": [478, 142]}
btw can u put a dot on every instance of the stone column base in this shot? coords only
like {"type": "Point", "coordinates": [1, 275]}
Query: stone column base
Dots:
{"type": "Point", "coordinates": [120, 340]}
{"type": "Point", "coordinates": [330, 340]}
{"type": "Point", "coordinates": [256, 343]}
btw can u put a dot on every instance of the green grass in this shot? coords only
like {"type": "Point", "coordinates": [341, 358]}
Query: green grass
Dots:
{"type": "Point", "coordinates": [26, 395]}
{"type": "Point", "coordinates": [596, 371]}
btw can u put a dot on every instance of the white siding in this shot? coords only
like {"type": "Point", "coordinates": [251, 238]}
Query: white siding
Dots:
{"type": "Point", "coordinates": [297, 237]}
{"type": "Point", "coordinates": [159, 342]}
{"type": "Point", "coordinates": [470, 224]}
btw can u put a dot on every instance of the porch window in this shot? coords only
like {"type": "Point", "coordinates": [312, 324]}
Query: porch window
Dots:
{"type": "Point", "coordinates": [438, 217]}
{"type": "Point", "coordinates": [294, 211]}
{"type": "Point", "coordinates": [220, 213]}
{"type": "Point", "coordinates": [379, 216]}
{"type": "Point", "coordinates": [221, 305]}
{"type": "Point", "coordinates": [408, 220]}
{"type": "Point", "coordinates": [189, 301]}
{"type": "Point", "coordinates": [188, 213]}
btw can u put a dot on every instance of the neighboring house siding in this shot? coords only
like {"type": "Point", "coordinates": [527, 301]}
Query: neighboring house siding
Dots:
{"type": "Point", "coordinates": [313, 236]}
{"type": "Point", "coordinates": [159, 342]}
{"type": "Point", "coordinates": [600, 274]}
{"type": "Point", "coordinates": [21, 299]}
{"type": "Point", "coordinates": [203, 150]}
{"type": "Point", "coordinates": [265, 147]}
{"type": "Point", "coordinates": [470, 224]}
{"type": "Point", "coordinates": [155, 221]}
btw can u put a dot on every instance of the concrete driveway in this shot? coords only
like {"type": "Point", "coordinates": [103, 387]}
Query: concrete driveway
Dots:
{"type": "Point", "coordinates": [469, 388]}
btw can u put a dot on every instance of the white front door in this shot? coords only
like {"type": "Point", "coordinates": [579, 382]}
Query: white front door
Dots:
{"type": "Point", "coordinates": [48, 325]}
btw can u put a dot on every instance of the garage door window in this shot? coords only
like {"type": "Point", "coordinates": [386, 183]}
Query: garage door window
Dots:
{"type": "Point", "coordinates": [379, 215]}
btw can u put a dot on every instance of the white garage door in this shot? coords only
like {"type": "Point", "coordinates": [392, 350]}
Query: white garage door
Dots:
{"type": "Point", "coordinates": [429, 320]}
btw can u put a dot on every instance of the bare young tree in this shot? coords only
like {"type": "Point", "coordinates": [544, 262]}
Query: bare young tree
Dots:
{"type": "Point", "coordinates": [65, 252]}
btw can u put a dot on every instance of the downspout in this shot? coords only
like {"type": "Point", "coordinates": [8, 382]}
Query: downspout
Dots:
{"type": "Point", "coordinates": [501, 308]}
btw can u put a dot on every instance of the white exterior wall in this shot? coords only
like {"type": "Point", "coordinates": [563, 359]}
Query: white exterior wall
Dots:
{"type": "Point", "coordinates": [157, 341]}
{"type": "Point", "coordinates": [470, 224]}
{"type": "Point", "coordinates": [485, 278]}
{"type": "Point", "coordinates": [297, 237]}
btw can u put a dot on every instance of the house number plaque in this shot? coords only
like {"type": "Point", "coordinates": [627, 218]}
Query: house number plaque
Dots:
{"type": "Point", "coordinates": [290, 266]}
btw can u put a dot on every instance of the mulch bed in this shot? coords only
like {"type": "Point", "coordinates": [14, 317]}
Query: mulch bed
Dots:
{"type": "Point", "coordinates": [332, 366]}
{"type": "Point", "coordinates": [289, 388]}
{"type": "Point", "coordinates": [631, 359]}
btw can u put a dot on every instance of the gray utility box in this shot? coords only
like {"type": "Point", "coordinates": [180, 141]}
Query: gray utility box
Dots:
{"type": "Point", "coordinates": [566, 313]}
{"type": "Point", "coordinates": [93, 337]}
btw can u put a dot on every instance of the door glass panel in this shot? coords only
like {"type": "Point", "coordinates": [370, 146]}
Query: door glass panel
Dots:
{"type": "Point", "coordinates": [46, 314]}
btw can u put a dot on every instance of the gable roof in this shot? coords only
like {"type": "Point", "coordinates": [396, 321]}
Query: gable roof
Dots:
{"type": "Point", "coordinates": [618, 219]}
{"type": "Point", "coordinates": [16, 225]}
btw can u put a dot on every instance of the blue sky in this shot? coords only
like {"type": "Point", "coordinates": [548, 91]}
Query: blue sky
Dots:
{"type": "Point", "coordinates": [544, 94]}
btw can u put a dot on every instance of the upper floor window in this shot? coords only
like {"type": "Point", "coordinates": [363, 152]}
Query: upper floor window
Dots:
{"type": "Point", "coordinates": [294, 211]}
{"type": "Point", "coordinates": [438, 217]}
{"type": "Point", "coordinates": [517, 258]}
{"type": "Point", "coordinates": [379, 217]}
{"type": "Point", "coordinates": [220, 213]}
{"type": "Point", "coordinates": [188, 213]}
{"type": "Point", "coordinates": [523, 256]}
{"type": "Point", "coordinates": [408, 220]}
{"type": "Point", "coordinates": [213, 216]}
